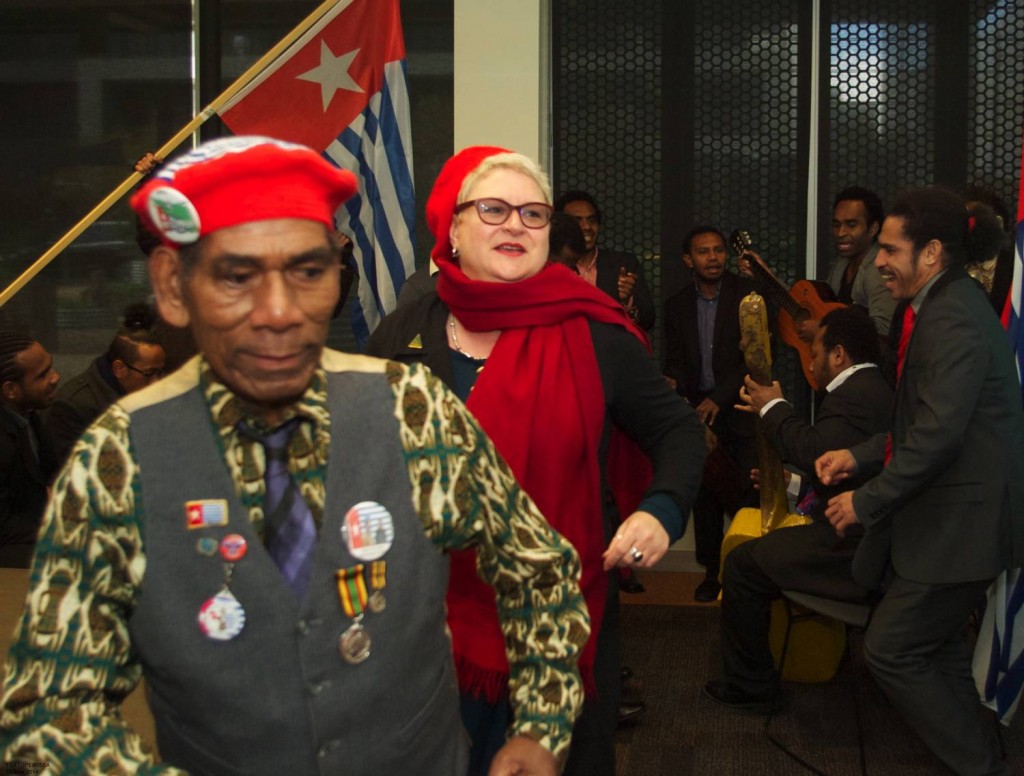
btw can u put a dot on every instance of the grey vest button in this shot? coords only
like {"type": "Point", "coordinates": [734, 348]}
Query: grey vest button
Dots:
{"type": "Point", "coordinates": [304, 626]}
{"type": "Point", "coordinates": [315, 688]}
{"type": "Point", "coordinates": [327, 748]}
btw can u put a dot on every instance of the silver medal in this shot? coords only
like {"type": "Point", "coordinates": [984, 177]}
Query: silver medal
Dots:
{"type": "Point", "coordinates": [354, 644]}
{"type": "Point", "coordinates": [377, 601]}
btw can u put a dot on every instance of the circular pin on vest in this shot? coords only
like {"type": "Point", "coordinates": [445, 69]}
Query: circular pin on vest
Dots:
{"type": "Point", "coordinates": [222, 617]}
{"type": "Point", "coordinates": [233, 547]}
{"type": "Point", "coordinates": [368, 530]}
{"type": "Point", "coordinates": [354, 644]}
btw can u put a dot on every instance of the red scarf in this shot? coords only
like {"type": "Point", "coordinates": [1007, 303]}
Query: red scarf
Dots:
{"type": "Point", "coordinates": [540, 400]}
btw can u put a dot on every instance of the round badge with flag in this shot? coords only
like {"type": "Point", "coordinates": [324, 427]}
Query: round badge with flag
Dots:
{"type": "Point", "coordinates": [368, 530]}
{"type": "Point", "coordinates": [174, 215]}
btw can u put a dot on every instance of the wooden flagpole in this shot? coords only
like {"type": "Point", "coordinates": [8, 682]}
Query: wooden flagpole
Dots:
{"type": "Point", "coordinates": [210, 110]}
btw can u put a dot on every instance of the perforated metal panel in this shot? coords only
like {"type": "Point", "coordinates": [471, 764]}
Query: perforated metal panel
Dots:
{"type": "Point", "coordinates": [926, 91]}
{"type": "Point", "coordinates": [680, 113]}
{"type": "Point", "coordinates": [746, 114]}
{"type": "Point", "coordinates": [677, 114]}
{"type": "Point", "coordinates": [881, 101]}
{"type": "Point", "coordinates": [607, 129]}
{"type": "Point", "coordinates": [996, 96]}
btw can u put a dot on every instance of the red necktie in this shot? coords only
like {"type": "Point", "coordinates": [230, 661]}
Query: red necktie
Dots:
{"type": "Point", "coordinates": [905, 332]}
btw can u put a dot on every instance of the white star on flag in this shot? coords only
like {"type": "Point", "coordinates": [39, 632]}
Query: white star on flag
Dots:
{"type": "Point", "coordinates": [332, 73]}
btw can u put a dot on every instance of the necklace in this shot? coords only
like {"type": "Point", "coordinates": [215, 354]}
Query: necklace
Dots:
{"type": "Point", "coordinates": [455, 338]}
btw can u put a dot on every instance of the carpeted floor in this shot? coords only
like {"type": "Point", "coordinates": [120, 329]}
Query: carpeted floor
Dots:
{"type": "Point", "coordinates": [673, 651]}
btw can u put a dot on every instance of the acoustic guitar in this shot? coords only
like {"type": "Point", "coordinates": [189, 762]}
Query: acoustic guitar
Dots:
{"type": "Point", "coordinates": [806, 300]}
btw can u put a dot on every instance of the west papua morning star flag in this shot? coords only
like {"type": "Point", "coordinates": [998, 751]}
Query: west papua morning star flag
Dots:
{"type": "Point", "coordinates": [341, 89]}
{"type": "Point", "coordinates": [999, 653]}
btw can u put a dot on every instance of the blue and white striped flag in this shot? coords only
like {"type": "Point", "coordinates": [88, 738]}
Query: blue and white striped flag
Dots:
{"type": "Point", "coordinates": [999, 653]}
{"type": "Point", "coordinates": [381, 217]}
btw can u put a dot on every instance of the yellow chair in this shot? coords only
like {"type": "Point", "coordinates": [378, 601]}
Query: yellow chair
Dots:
{"type": "Point", "coordinates": [816, 644]}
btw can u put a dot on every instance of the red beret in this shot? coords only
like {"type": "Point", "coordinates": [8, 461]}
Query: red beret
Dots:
{"type": "Point", "coordinates": [236, 180]}
{"type": "Point", "coordinates": [443, 199]}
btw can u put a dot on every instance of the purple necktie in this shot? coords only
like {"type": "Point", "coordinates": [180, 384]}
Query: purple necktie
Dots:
{"type": "Point", "coordinates": [291, 532]}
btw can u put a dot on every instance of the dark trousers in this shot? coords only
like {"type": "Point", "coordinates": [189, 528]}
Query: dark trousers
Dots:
{"type": "Point", "coordinates": [917, 650]}
{"type": "Point", "coordinates": [592, 752]}
{"type": "Point", "coordinates": [709, 511]}
{"type": "Point", "coordinates": [810, 559]}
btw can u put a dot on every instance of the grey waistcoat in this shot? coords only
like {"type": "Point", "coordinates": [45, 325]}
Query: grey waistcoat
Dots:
{"type": "Point", "coordinates": [278, 698]}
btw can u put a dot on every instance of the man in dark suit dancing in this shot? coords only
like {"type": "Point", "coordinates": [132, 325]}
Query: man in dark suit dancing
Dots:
{"type": "Point", "coordinates": [809, 558]}
{"type": "Point", "coordinates": [617, 274]}
{"type": "Point", "coordinates": [946, 513]}
{"type": "Point", "coordinates": [703, 358]}
{"type": "Point", "coordinates": [28, 383]}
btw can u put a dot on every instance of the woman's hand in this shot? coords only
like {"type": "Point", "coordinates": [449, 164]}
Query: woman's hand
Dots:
{"type": "Point", "coordinates": [640, 542]}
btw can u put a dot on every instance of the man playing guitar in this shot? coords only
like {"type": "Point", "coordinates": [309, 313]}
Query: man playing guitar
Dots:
{"type": "Point", "coordinates": [857, 216]}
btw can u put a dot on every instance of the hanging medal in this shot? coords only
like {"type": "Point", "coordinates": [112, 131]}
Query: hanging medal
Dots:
{"type": "Point", "coordinates": [222, 617]}
{"type": "Point", "coordinates": [354, 643]}
{"type": "Point", "coordinates": [378, 580]}
{"type": "Point", "coordinates": [368, 530]}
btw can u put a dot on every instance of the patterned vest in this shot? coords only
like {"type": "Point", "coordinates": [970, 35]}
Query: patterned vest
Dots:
{"type": "Point", "coordinates": [278, 698]}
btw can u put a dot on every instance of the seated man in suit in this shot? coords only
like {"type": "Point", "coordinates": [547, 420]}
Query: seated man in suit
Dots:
{"type": "Point", "coordinates": [28, 382]}
{"type": "Point", "coordinates": [808, 558]}
{"type": "Point", "coordinates": [617, 274]}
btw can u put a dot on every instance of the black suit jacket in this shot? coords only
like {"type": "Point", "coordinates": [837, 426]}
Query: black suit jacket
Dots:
{"type": "Point", "coordinates": [608, 265]}
{"type": "Point", "coordinates": [857, 410]}
{"type": "Point", "coordinates": [950, 504]}
{"type": "Point", "coordinates": [23, 488]}
{"type": "Point", "coordinates": [682, 350]}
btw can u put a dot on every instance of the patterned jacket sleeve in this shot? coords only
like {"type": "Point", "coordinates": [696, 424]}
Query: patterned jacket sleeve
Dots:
{"type": "Point", "coordinates": [71, 663]}
{"type": "Point", "coordinates": [467, 495]}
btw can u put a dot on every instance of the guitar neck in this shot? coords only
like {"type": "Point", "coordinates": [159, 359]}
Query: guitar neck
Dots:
{"type": "Point", "coordinates": [777, 292]}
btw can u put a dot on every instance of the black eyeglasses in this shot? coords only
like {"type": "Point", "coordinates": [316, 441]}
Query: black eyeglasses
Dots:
{"type": "Point", "coordinates": [534, 215]}
{"type": "Point", "coordinates": [149, 374]}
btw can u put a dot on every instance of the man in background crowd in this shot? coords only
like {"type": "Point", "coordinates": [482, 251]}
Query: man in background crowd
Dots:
{"type": "Point", "coordinates": [704, 360]}
{"type": "Point", "coordinates": [134, 360]}
{"type": "Point", "coordinates": [617, 274]}
{"type": "Point", "coordinates": [28, 383]}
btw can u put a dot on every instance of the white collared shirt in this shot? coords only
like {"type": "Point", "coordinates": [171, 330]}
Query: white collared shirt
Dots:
{"type": "Point", "coordinates": [838, 380]}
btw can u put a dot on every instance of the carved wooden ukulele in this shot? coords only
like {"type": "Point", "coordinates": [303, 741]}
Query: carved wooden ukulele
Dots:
{"type": "Point", "coordinates": [757, 354]}
{"type": "Point", "coordinates": [805, 300]}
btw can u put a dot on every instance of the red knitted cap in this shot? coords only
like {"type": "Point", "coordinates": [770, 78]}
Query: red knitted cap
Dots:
{"type": "Point", "coordinates": [236, 180]}
{"type": "Point", "coordinates": [444, 196]}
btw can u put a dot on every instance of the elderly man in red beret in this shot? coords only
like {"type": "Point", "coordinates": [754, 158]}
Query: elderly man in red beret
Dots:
{"type": "Point", "coordinates": [261, 535]}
